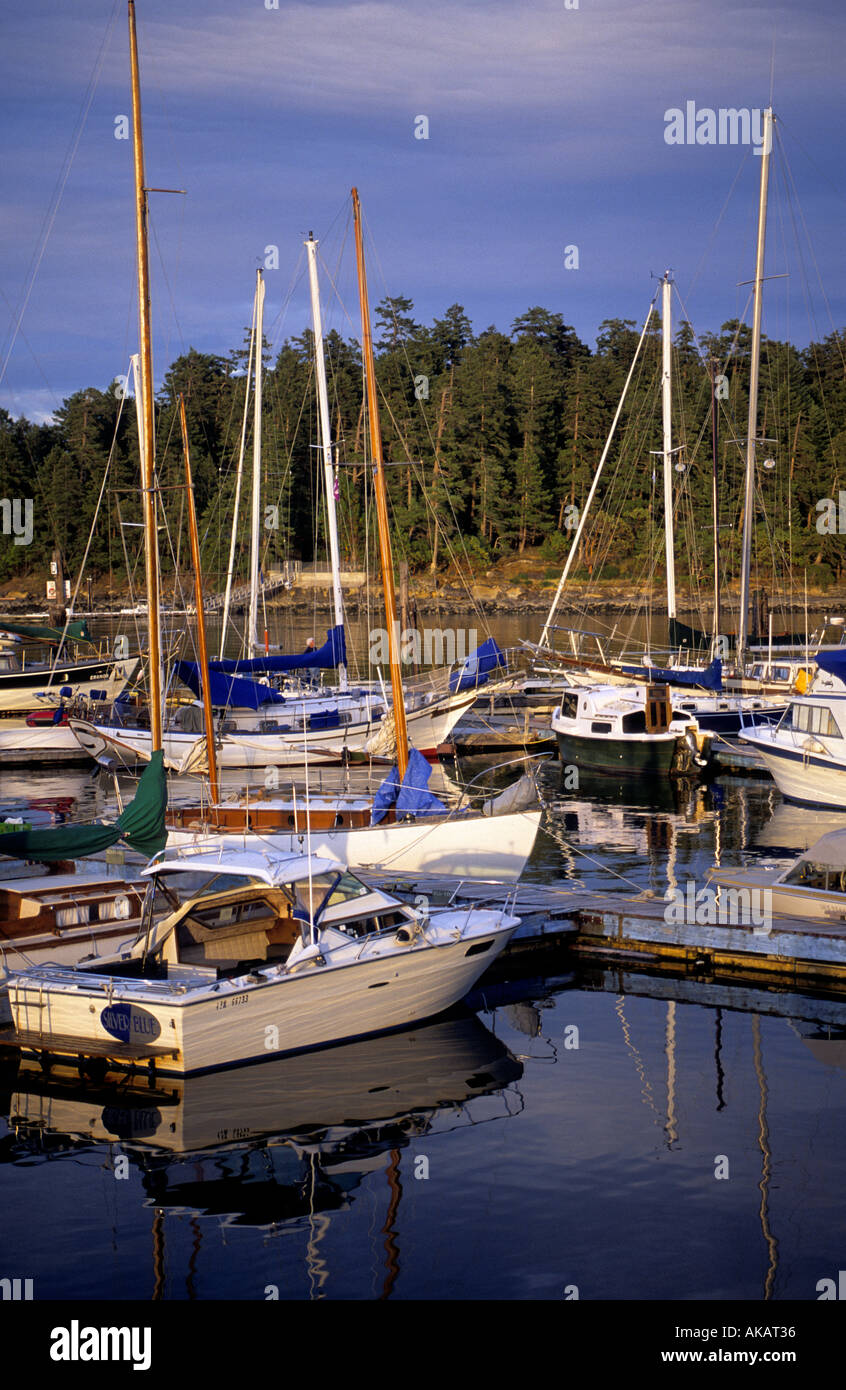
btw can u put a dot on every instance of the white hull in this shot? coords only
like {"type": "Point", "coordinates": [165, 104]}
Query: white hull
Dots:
{"type": "Point", "coordinates": [20, 698]}
{"type": "Point", "coordinates": [801, 777]}
{"type": "Point", "coordinates": [237, 1020]}
{"type": "Point", "coordinates": [428, 728]}
{"type": "Point", "coordinates": [39, 744]}
{"type": "Point", "coordinates": [489, 847]}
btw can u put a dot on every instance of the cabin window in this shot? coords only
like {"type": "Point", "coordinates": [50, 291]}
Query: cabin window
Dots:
{"type": "Point", "coordinates": [809, 875]}
{"type": "Point", "coordinates": [781, 673]}
{"type": "Point", "coordinates": [814, 719]}
{"type": "Point", "coordinates": [600, 726]}
{"type": "Point", "coordinates": [347, 887]}
{"type": "Point", "coordinates": [635, 723]}
{"type": "Point", "coordinates": [569, 706]}
{"type": "Point", "coordinates": [366, 926]}
{"type": "Point", "coordinates": [327, 890]}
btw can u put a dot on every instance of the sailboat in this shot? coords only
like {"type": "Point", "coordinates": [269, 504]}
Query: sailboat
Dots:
{"type": "Point", "coordinates": [259, 726]}
{"type": "Point", "coordinates": [405, 827]}
{"type": "Point", "coordinates": [722, 711]}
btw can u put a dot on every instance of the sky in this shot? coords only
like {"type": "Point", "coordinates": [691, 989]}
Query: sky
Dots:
{"type": "Point", "coordinates": [546, 130]}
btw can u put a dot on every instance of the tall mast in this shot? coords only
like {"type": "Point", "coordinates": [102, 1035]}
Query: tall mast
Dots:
{"type": "Point", "coordinates": [715, 506]}
{"type": "Point", "coordinates": [148, 478]}
{"type": "Point", "coordinates": [666, 402]}
{"type": "Point", "coordinates": [381, 497]}
{"type": "Point", "coordinates": [326, 443]}
{"type": "Point", "coordinates": [201, 616]}
{"type": "Point", "coordinates": [227, 597]}
{"type": "Point", "coordinates": [252, 628]}
{"type": "Point", "coordinates": [754, 370]}
{"type": "Point", "coordinates": [574, 544]}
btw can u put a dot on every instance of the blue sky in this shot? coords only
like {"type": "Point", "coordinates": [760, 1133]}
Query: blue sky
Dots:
{"type": "Point", "coordinates": [546, 130]}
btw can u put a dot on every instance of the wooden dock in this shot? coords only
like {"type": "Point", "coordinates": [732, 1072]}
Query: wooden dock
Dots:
{"type": "Point", "coordinates": [791, 951]}
{"type": "Point", "coordinates": [737, 759]}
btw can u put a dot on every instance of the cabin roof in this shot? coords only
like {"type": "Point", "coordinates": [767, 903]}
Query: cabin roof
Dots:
{"type": "Point", "coordinates": [271, 869]}
{"type": "Point", "coordinates": [829, 850]}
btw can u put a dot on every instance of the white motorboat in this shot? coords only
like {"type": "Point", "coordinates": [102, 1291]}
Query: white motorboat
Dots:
{"type": "Point", "coordinates": [259, 956]}
{"type": "Point", "coordinates": [814, 885]}
{"type": "Point", "coordinates": [806, 750]}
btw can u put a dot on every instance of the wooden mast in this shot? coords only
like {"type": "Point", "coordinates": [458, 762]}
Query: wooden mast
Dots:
{"type": "Point", "coordinates": [201, 617]}
{"type": "Point", "coordinates": [148, 479]}
{"type": "Point", "coordinates": [381, 498]}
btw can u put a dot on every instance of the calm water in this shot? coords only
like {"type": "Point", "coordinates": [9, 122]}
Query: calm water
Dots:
{"type": "Point", "coordinates": [568, 1134]}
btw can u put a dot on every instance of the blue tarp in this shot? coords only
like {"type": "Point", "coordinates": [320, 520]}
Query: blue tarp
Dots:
{"type": "Point", "coordinates": [410, 795]}
{"type": "Point", "coordinates": [833, 662]}
{"type": "Point", "coordinates": [709, 679]}
{"type": "Point", "coordinates": [477, 666]}
{"type": "Point", "coordinates": [230, 683]}
{"type": "Point", "coordinates": [333, 653]}
{"type": "Point", "coordinates": [228, 690]}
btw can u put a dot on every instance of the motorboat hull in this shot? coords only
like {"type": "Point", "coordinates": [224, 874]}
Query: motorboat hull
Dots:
{"type": "Point", "coordinates": [122, 1022]}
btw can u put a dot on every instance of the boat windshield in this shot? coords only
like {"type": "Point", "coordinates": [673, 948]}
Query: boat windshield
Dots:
{"type": "Point", "coordinates": [201, 883]}
{"type": "Point", "coordinates": [327, 890]}
{"type": "Point", "coordinates": [806, 874]}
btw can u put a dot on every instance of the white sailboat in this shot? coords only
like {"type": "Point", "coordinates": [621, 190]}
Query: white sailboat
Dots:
{"type": "Point", "coordinates": [285, 729]}
{"type": "Point", "coordinates": [492, 843]}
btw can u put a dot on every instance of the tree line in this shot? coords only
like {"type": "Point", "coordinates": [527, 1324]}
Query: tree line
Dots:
{"type": "Point", "coordinates": [492, 440]}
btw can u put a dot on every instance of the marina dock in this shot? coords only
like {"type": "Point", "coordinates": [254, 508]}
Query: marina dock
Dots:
{"type": "Point", "coordinates": [792, 951]}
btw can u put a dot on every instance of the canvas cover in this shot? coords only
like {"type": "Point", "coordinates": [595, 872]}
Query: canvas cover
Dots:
{"type": "Point", "coordinates": [141, 825]}
{"type": "Point", "coordinates": [709, 679]}
{"type": "Point", "coordinates": [477, 667]}
{"type": "Point", "coordinates": [228, 690]}
{"type": "Point", "coordinates": [411, 795]}
{"type": "Point", "coordinates": [76, 632]}
{"type": "Point", "coordinates": [333, 653]}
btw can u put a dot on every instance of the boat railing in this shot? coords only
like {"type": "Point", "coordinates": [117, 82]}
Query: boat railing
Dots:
{"type": "Point", "coordinates": [530, 764]}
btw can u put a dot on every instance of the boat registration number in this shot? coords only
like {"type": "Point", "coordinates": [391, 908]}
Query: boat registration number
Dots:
{"type": "Point", "coordinates": [232, 1003]}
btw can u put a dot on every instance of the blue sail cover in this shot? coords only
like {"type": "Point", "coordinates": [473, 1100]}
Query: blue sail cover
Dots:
{"type": "Point", "coordinates": [477, 667]}
{"type": "Point", "coordinates": [410, 795]}
{"type": "Point", "coordinates": [709, 679]}
{"type": "Point", "coordinates": [833, 662]}
{"type": "Point", "coordinates": [228, 690]}
{"type": "Point", "coordinates": [333, 653]}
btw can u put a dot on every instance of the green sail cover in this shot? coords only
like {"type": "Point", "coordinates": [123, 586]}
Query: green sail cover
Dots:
{"type": "Point", "coordinates": [141, 825]}
{"type": "Point", "coordinates": [76, 632]}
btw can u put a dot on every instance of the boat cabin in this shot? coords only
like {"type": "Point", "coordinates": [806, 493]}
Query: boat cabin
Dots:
{"type": "Point", "coordinates": [243, 910]}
